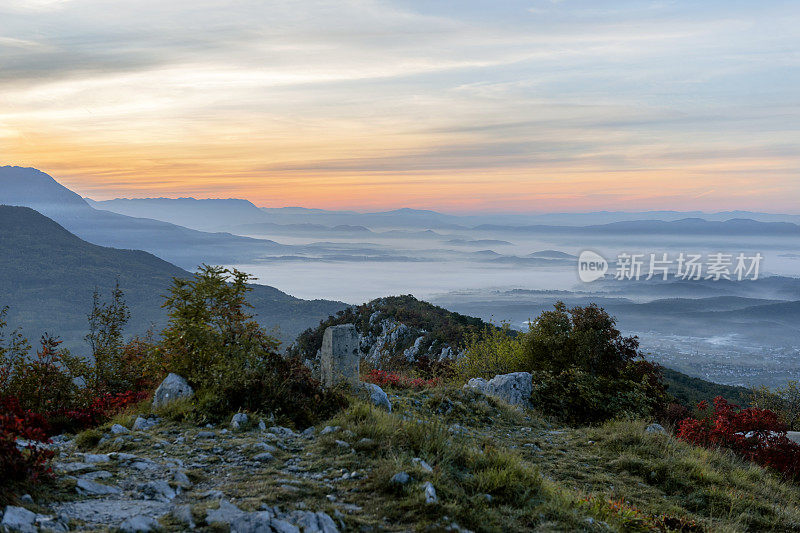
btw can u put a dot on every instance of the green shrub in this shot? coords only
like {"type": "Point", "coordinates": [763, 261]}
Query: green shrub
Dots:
{"type": "Point", "coordinates": [491, 352]}
{"type": "Point", "coordinates": [229, 359]}
{"type": "Point", "coordinates": [585, 370]}
{"type": "Point", "coordinates": [578, 397]}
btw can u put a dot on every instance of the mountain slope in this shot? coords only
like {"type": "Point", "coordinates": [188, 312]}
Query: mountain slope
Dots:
{"type": "Point", "coordinates": [186, 247]}
{"type": "Point", "coordinates": [47, 276]}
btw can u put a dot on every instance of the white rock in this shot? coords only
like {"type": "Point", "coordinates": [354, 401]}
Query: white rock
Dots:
{"type": "Point", "coordinates": [514, 388]}
{"type": "Point", "coordinates": [87, 486]}
{"type": "Point", "coordinates": [139, 524]}
{"type": "Point", "coordinates": [377, 396]}
{"type": "Point", "coordinates": [157, 490]}
{"type": "Point", "coordinates": [340, 355]}
{"type": "Point", "coordinates": [400, 478]}
{"type": "Point", "coordinates": [143, 424]}
{"type": "Point", "coordinates": [172, 388]}
{"type": "Point", "coordinates": [422, 464]}
{"type": "Point", "coordinates": [430, 493]}
{"type": "Point", "coordinates": [119, 429]}
{"type": "Point", "coordinates": [239, 421]}
{"type": "Point", "coordinates": [225, 514]}
{"type": "Point", "coordinates": [655, 428]}
{"type": "Point", "coordinates": [19, 519]}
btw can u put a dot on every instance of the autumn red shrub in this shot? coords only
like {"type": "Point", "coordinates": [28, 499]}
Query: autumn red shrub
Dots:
{"type": "Point", "coordinates": [28, 462]}
{"type": "Point", "coordinates": [383, 378]}
{"type": "Point", "coordinates": [94, 414]}
{"type": "Point", "coordinates": [755, 434]}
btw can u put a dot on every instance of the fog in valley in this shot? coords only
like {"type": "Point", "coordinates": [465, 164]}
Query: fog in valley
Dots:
{"type": "Point", "coordinates": [509, 268]}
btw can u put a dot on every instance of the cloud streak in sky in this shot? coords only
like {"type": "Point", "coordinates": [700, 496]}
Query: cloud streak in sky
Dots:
{"type": "Point", "coordinates": [365, 103]}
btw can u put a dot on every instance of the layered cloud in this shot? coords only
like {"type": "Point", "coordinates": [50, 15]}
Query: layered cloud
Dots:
{"type": "Point", "coordinates": [534, 105]}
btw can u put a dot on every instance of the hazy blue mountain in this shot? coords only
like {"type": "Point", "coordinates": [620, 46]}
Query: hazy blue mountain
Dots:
{"type": "Point", "coordinates": [201, 214]}
{"type": "Point", "coordinates": [221, 215]}
{"type": "Point", "coordinates": [683, 227]}
{"type": "Point", "coordinates": [300, 229]}
{"type": "Point", "coordinates": [47, 276]}
{"type": "Point", "coordinates": [185, 247]}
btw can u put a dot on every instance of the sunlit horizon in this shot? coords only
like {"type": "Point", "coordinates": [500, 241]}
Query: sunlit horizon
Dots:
{"type": "Point", "coordinates": [537, 106]}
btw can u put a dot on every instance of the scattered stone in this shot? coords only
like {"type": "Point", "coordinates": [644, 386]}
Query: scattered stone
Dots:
{"type": "Point", "coordinates": [94, 458]}
{"type": "Point", "coordinates": [172, 388]}
{"type": "Point", "coordinates": [183, 514]}
{"type": "Point", "coordinates": [52, 524]}
{"type": "Point", "coordinates": [430, 493]}
{"type": "Point", "coordinates": [342, 444]}
{"type": "Point", "coordinates": [329, 429]}
{"type": "Point", "coordinates": [143, 424]}
{"type": "Point", "coordinates": [262, 426]}
{"type": "Point", "coordinates": [73, 467]}
{"type": "Point", "coordinates": [239, 421]}
{"type": "Point", "coordinates": [308, 432]}
{"type": "Point", "coordinates": [400, 478]}
{"type": "Point", "coordinates": [422, 464]}
{"type": "Point", "coordinates": [26, 499]}
{"type": "Point", "coordinates": [655, 428]}
{"type": "Point", "coordinates": [311, 522]}
{"type": "Point", "coordinates": [110, 513]}
{"type": "Point", "coordinates": [87, 486]}
{"type": "Point", "coordinates": [119, 429]}
{"type": "Point", "coordinates": [376, 396]}
{"type": "Point", "coordinates": [139, 524]}
{"type": "Point", "coordinates": [282, 432]}
{"type": "Point", "coordinates": [264, 457]}
{"type": "Point", "coordinates": [514, 388]}
{"type": "Point", "coordinates": [213, 495]}
{"type": "Point", "coordinates": [181, 479]}
{"type": "Point", "coordinates": [157, 490]}
{"type": "Point", "coordinates": [339, 355]}
{"type": "Point", "coordinates": [264, 447]}
{"type": "Point", "coordinates": [225, 514]}
{"type": "Point", "coordinates": [19, 519]}
{"type": "Point", "coordinates": [100, 474]}
{"type": "Point", "coordinates": [206, 435]}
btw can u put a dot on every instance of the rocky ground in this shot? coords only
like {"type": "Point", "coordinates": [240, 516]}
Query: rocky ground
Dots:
{"type": "Point", "coordinates": [443, 460]}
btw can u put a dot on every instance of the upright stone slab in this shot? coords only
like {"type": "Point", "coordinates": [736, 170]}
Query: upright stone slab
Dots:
{"type": "Point", "coordinates": [340, 355]}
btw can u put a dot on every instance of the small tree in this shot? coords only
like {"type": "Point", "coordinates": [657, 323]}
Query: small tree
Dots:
{"type": "Point", "coordinates": [785, 401]}
{"type": "Point", "coordinates": [210, 333]}
{"type": "Point", "coordinates": [214, 343]}
{"type": "Point", "coordinates": [14, 349]}
{"type": "Point", "coordinates": [107, 322]}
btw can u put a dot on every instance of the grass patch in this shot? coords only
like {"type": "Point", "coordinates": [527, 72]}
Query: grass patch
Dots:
{"type": "Point", "coordinates": [88, 439]}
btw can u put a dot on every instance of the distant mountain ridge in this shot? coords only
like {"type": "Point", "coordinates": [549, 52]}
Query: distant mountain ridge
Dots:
{"type": "Point", "coordinates": [185, 247]}
{"type": "Point", "coordinates": [242, 216]}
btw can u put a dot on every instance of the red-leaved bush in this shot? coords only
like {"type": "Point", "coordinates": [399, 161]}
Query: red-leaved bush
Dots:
{"type": "Point", "coordinates": [22, 463]}
{"type": "Point", "coordinates": [94, 414]}
{"type": "Point", "coordinates": [23, 458]}
{"type": "Point", "coordinates": [383, 378]}
{"type": "Point", "coordinates": [755, 434]}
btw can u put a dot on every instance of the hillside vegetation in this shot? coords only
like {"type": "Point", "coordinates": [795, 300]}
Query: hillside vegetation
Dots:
{"type": "Point", "coordinates": [240, 438]}
{"type": "Point", "coordinates": [48, 275]}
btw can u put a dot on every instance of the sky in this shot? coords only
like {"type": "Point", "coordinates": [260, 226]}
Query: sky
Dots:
{"type": "Point", "coordinates": [459, 106]}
